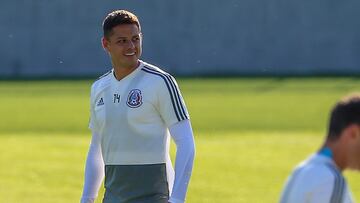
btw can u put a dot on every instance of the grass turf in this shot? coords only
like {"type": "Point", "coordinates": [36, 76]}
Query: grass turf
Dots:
{"type": "Point", "coordinates": [249, 133]}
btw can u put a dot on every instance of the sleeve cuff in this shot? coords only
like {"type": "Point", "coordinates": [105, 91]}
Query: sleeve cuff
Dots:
{"type": "Point", "coordinates": [174, 200]}
{"type": "Point", "coordinates": [87, 200]}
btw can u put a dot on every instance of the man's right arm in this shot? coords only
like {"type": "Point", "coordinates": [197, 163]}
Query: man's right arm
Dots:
{"type": "Point", "coordinates": [94, 171]}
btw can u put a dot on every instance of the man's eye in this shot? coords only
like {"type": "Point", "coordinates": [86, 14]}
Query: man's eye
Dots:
{"type": "Point", "coordinates": [122, 41]}
{"type": "Point", "coordinates": [136, 38]}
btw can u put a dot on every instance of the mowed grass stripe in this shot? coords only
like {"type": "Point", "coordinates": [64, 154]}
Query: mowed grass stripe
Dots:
{"type": "Point", "coordinates": [215, 105]}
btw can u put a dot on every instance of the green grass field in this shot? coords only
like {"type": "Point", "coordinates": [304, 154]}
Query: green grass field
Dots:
{"type": "Point", "coordinates": [249, 132]}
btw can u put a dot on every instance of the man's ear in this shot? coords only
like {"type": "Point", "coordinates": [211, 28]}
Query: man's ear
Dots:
{"type": "Point", "coordinates": [352, 131]}
{"type": "Point", "coordinates": [105, 44]}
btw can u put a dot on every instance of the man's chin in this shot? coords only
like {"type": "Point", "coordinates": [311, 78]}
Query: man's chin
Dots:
{"type": "Point", "coordinates": [132, 63]}
{"type": "Point", "coordinates": [135, 63]}
{"type": "Point", "coordinates": [133, 60]}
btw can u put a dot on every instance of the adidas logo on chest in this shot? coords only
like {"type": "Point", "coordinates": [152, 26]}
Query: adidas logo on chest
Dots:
{"type": "Point", "coordinates": [100, 102]}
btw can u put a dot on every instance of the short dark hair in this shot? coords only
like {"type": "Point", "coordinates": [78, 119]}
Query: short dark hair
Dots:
{"type": "Point", "coordinates": [116, 18]}
{"type": "Point", "coordinates": [343, 114]}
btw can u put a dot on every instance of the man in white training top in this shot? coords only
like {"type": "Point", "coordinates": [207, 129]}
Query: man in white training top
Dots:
{"type": "Point", "coordinates": [319, 179]}
{"type": "Point", "coordinates": [134, 109]}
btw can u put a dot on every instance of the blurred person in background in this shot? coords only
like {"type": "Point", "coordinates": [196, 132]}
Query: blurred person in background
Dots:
{"type": "Point", "coordinates": [319, 179]}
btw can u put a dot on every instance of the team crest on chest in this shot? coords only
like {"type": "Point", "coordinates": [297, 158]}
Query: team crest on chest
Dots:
{"type": "Point", "coordinates": [134, 99]}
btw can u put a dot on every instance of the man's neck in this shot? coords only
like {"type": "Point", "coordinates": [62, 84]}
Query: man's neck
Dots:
{"type": "Point", "coordinates": [337, 154]}
{"type": "Point", "coordinates": [122, 72]}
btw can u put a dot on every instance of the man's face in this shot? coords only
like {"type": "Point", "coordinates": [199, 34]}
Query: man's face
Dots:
{"type": "Point", "coordinates": [124, 45]}
{"type": "Point", "coordinates": [354, 151]}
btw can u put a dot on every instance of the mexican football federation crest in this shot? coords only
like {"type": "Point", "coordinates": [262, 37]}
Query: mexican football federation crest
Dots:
{"type": "Point", "coordinates": [134, 99]}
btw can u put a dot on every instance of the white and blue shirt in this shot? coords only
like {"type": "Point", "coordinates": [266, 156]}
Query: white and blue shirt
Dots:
{"type": "Point", "coordinates": [132, 115]}
{"type": "Point", "coordinates": [316, 180]}
{"type": "Point", "coordinates": [130, 120]}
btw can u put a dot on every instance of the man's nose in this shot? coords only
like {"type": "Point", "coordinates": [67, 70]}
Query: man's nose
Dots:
{"type": "Point", "coordinates": [131, 44]}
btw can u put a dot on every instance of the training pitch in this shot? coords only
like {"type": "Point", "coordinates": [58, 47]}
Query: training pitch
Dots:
{"type": "Point", "coordinates": [249, 133]}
